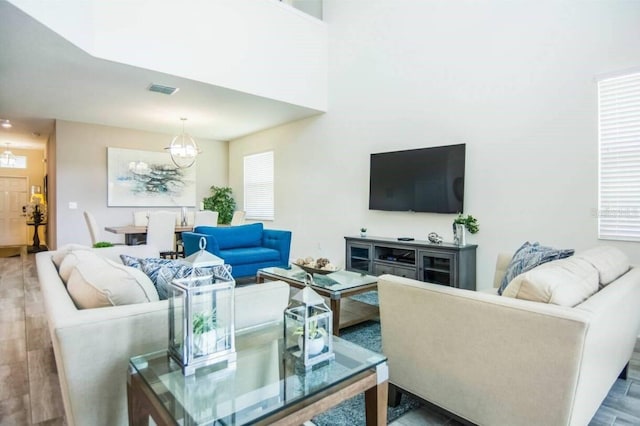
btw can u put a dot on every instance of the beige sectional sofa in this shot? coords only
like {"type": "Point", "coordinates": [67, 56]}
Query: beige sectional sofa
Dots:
{"type": "Point", "coordinates": [496, 360]}
{"type": "Point", "coordinates": [92, 346]}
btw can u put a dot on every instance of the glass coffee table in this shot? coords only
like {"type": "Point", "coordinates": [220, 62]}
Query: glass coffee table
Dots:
{"type": "Point", "coordinates": [267, 385]}
{"type": "Point", "coordinates": [337, 287]}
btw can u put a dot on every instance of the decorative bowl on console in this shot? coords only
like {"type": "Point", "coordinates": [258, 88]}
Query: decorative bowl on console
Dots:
{"type": "Point", "coordinates": [320, 266]}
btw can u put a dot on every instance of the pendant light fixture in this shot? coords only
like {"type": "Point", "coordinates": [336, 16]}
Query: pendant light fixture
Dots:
{"type": "Point", "coordinates": [183, 149]}
{"type": "Point", "coordinates": [7, 159]}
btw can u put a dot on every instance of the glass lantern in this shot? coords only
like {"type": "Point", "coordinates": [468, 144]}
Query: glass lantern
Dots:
{"type": "Point", "coordinates": [308, 327]}
{"type": "Point", "coordinates": [201, 319]}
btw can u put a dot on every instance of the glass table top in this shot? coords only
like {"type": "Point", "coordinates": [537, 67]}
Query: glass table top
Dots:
{"type": "Point", "coordinates": [264, 381]}
{"type": "Point", "coordinates": [335, 281]}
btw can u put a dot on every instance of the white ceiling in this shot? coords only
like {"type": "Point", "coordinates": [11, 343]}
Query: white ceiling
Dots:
{"type": "Point", "coordinates": [44, 77]}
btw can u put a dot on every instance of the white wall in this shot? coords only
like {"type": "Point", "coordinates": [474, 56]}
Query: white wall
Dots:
{"type": "Point", "coordinates": [81, 175]}
{"type": "Point", "coordinates": [514, 80]}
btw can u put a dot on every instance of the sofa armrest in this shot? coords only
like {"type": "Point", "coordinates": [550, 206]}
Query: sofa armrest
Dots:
{"type": "Point", "coordinates": [278, 240]}
{"type": "Point", "coordinates": [92, 354]}
{"type": "Point", "coordinates": [471, 352]}
{"type": "Point", "coordinates": [191, 241]}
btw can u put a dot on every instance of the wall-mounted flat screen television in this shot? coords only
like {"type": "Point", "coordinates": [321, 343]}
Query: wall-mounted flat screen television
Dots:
{"type": "Point", "coordinates": [420, 180]}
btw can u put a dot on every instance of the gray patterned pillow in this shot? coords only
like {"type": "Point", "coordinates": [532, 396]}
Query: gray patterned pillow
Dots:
{"type": "Point", "coordinates": [527, 257]}
{"type": "Point", "coordinates": [168, 273]}
{"type": "Point", "coordinates": [134, 262]}
{"type": "Point", "coordinates": [151, 266]}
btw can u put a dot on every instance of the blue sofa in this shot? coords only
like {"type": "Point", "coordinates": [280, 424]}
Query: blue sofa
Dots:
{"type": "Point", "coordinates": [246, 248]}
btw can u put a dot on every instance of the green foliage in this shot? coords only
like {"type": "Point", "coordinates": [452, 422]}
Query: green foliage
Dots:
{"type": "Point", "coordinates": [102, 244]}
{"type": "Point", "coordinates": [363, 229]}
{"type": "Point", "coordinates": [315, 331]}
{"type": "Point", "coordinates": [204, 322]}
{"type": "Point", "coordinates": [469, 222]}
{"type": "Point", "coordinates": [221, 201]}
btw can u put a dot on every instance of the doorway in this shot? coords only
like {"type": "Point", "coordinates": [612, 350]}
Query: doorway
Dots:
{"type": "Point", "coordinates": [13, 225]}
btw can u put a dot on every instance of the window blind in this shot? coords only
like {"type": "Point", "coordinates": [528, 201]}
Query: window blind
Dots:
{"type": "Point", "coordinates": [258, 186]}
{"type": "Point", "coordinates": [619, 158]}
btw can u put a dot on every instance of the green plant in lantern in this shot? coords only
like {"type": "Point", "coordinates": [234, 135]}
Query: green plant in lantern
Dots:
{"type": "Point", "coordinates": [204, 322]}
{"type": "Point", "coordinates": [221, 201]}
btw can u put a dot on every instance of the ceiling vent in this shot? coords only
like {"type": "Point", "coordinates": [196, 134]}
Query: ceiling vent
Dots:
{"type": "Point", "coordinates": [159, 88]}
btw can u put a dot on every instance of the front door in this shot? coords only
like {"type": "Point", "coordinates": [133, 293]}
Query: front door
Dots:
{"type": "Point", "coordinates": [13, 224]}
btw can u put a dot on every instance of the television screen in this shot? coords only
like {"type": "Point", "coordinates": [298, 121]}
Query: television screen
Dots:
{"type": "Point", "coordinates": [420, 180]}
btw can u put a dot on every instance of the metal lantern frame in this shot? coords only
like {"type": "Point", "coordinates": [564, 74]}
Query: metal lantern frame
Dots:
{"type": "Point", "coordinates": [191, 299]}
{"type": "Point", "coordinates": [307, 313]}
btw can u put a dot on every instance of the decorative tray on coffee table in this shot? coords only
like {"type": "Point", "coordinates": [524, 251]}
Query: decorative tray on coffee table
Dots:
{"type": "Point", "coordinates": [313, 270]}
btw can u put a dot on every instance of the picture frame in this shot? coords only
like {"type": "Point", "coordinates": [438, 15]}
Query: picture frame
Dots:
{"type": "Point", "coordinates": [137, 178]}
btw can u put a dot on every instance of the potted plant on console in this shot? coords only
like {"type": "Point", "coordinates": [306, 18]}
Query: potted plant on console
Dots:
{"type": "Point", "coordinates": [462, 223]}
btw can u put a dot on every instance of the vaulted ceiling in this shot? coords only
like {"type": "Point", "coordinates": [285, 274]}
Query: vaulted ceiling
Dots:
{"type": "Point", "coordinates": [44, 77]}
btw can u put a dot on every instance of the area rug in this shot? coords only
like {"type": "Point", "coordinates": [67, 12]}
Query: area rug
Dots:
{"type": "Point", "coordinates": [351, 412]}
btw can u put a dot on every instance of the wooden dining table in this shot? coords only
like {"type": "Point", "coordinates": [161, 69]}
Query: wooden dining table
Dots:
{"type": "Point", "coordinates": [137, 234]}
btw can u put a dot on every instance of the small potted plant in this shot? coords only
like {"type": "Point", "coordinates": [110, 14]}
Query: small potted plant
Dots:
{"type": "Point", "coordinates": [363, 232]}
{"type": "Point", "coordinates": [204, 332]}
{"type": "Point", "coordinates": [316, 340]}
{"type": "Point", "coordinates": [461, 223]}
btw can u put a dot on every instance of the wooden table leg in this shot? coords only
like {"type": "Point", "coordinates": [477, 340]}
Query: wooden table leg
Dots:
{"type": "Point", "coordinates": [375, 400]}
{"type": "Point", "coordinates": [335, 309]}
{"type": "Point", "coordinates": [138, 415]}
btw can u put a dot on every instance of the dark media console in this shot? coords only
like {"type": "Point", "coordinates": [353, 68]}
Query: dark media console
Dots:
{"type": "Point", "coordinates": [446, 264]}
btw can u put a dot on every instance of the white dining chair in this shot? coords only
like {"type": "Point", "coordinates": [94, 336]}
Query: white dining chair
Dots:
{"type": "Point", "coordinates": [238, 218]}
{"type": "Point", "coordinates": [206, 218]}
{"type": "Point", "coordinates": [161, 232]}
{"type": "Point", "coordinates": [140, 218]}
{"type": "Point", "coordinates": [94, 230]}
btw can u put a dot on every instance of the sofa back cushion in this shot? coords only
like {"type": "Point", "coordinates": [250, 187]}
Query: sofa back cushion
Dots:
{"type": "Point", "coordinates": [101, 282]}
{"type": "Point", "coordinates": [72, 259]}
{"type": "Point", "coordinates": [527, 257]}
{"type": "Point", "coordinates": [610, 262]}
{"type": "Point", "coordinates": [565, 282]}
{"type": "Point", "coordinates": [234, 236]}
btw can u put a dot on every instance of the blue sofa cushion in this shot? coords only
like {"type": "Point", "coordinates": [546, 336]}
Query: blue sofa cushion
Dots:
{"type": "Point", "coordinates": [245, 255]}
{"type": "Point", "coordinates": [234, 236]}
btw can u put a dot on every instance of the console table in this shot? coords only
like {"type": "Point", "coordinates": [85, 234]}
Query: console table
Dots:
{"type": "Point", "coordinates": [36, 247]}
{"type": "Point", "coordinates": [446, 264]}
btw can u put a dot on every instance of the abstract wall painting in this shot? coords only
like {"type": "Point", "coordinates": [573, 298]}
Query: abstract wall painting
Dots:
{"type": "Point", "coordinates": [148, 179]}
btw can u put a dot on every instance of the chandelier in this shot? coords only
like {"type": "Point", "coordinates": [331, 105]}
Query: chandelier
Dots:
{"type": "Point", "coordinates": [183, 149]}
{"type": "Point", "coordinates": [7, 159]}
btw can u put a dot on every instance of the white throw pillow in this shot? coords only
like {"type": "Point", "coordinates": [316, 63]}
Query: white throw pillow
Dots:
{"type": "Point", "coordinates": [63, 251]}
{"type": "Point", "coordinates": [565, 282]}
{"type": "Point", "coordinates": [101, 282]}
{"type": "Point", "coordinates": [610, 262]}
{"type": "Point", "coordinates": [72, 259]}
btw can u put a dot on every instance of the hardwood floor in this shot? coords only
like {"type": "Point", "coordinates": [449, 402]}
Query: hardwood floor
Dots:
{"type": "Point", "coordinates": [29, 386]}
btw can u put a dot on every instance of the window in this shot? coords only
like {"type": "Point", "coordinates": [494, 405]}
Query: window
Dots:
{"type": "Point", "coordinates": [20, 162]}
{"type": "Point", "coordinates": [619, 158]}
{"type": "Point", "coordinates": [258, 186]}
